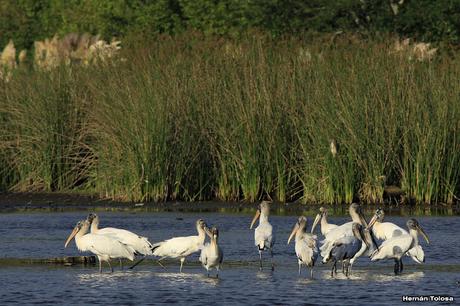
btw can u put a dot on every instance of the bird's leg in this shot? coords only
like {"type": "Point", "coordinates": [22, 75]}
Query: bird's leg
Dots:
{"type": "Point", "coordinates": [311, 272]}
{"type": "Point", "coordinates": [100, 265]}
{"type": "Point", "coordinates": [181, 263]}
{"type": "Point", "coordinates": [400, 265]}
{"type": "Point", "coordinates": [111, 268]}
{"type": "Point", "coordinates": [334, 267]}
{"type": "Point", "coordinates": [343, 266]}
{"type": "Point", "coordinates": [159, 262]}
{"type": "Point", "coordinates": [273, 264]}
{"type": "Point", "coordinates": [350, 266]}
{"type": "Point", "coordinates": [135, 264]}
{"type": "Point", "coordinates": [347, 267]}
{"type": "Point", "coordinates": [300, 265]}
{"type": "Point", "coordinates": [260, 259]}
{"type": "Point", "coordinates": [217, 268]}
{"type": "Point", "coordinates": [396, 266]}
{"type": "Point", "coordinates": [121, 264]}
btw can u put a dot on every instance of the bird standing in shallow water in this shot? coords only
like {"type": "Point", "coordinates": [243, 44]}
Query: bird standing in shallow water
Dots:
{"type": "Point", "coordinates": [263, 234]}
{"type": "Point", "coordinates": [387, 230]}
{"type": "Point", "coordinates": [104, 247]}
{"type": "Point", "coordinates": [397, 246]}
{"type": "Point", "coordinates": [347, 249]}
{"type": "Point", "coordinates": [181, 247]}
{"type": "Point", "coordinates": [306, 247]}
{"type": "Point", "coordinates": [211, 254]}
{"type": "Point", "coordinates": [140, 245]}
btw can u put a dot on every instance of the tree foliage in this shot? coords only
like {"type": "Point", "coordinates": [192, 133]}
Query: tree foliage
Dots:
{"type": "Point", "coordinates": [29, 20]}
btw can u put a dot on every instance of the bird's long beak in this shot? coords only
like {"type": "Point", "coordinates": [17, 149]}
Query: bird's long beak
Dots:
{"type": "Point", "coordinates": [365, 237]}
{"type": "Point", "coordinates": [74, 232]}
{"type": "Point", "coordinates": [317, 219]}
{"type": "Point", "coordinates": [363, 220]}
{"type": "Point", "coordinates": [255, 218]}
{"type": "Point", "coordinates": [422, 232]}
{"type": "Point", "coordinates": [373, 220]}
{"type": "Point", "coordinates": [294, 230]}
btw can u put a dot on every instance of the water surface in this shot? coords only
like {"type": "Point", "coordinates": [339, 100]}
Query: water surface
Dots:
{"type": "Point", "coordinates": [42, 235]}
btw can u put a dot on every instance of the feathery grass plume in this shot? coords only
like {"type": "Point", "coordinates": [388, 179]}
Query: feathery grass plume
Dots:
{"type": "Point", "coordinates": [8, 61]}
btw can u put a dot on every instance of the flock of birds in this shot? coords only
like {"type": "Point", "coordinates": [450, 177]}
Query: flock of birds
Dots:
{"type": "Point", "coordinates": [341, 244]}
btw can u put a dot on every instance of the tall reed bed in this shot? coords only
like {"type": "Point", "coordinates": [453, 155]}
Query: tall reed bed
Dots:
{"type": "Point", "coordinates": [196, 118]}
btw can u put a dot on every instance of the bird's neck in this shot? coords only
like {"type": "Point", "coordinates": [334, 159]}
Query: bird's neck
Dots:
{"type": "Point", "coordinates": [94, 226]}
{"type": "Point", "coordinates": [356, 218]}
{"type": "Point", "coordinates": [201, 234]}
{"type": "Point", "coordinates": [78, 236]}
{"type": "Point", "coordinates": [414, 235]}
{"type": "Point", "coordinates": [214, 244]}
{"type": "Point", "coordinates": [324, 222]}
{"type": "Point", "coordinates": [263, 218]}
{"type": "Point", "coordinates": [299, 234]}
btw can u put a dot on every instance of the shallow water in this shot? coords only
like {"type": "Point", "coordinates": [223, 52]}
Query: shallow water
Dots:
{"type": "Point", "coordinates": [42, 235]}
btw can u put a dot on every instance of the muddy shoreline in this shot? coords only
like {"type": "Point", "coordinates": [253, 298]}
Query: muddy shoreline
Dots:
{"type": "Point", "coordinates": [60, 202]}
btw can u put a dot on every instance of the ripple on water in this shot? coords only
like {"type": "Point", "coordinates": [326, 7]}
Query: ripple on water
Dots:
{"type": "Point", "coordinates": [240, 282]}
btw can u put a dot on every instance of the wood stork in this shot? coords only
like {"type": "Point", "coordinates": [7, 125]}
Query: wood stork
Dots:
{"type": "Point", "coordinates": [306, 248]}
{"type": "Point", "coordinates": [397, 246]}
{"type": "Point", "coordinates": [141, 245]}
{"type": "Point", "coordinates": [347, 249]}
{"type": "Point", "coordinates": [181, 247]}
{"type": "Point", "coordinates": [104, 247]}
{"type": "Point", "coordinates": [343, 230]}
{"type": "Point", "coordinates": [263, 235]}
{"type": "Point", "coordinates": [326, 227]}
{"type": "Point", "coordinates": [211, 255]}
{"type": "Point", "coordinates": [386, 230]}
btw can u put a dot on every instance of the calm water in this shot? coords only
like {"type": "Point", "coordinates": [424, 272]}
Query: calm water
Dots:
{"type": "Point", "coordinates": [38, 235]}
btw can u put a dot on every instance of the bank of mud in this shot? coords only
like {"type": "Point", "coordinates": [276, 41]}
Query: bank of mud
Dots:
{"type": "Point", "coordinates": [60, 202]}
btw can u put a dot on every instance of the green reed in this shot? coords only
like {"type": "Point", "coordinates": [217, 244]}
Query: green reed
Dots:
{"type": "Point", "coordinates": [194, 118]}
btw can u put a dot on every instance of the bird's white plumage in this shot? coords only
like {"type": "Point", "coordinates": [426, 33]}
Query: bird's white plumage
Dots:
{"type": "Point", "coordinates": [103, 246]}
{"type": "Point", "coordinates": [306, 249]}
{"type": "Point", "coordinates": [178, 246]}
{"type": "Point", "coordinates": [333, 235]}
{"type": "Point", "coordinates": [387, 230]}
{"type": "Point", "coordinates": [394, 247]}
{"type": "Point", "coordinates": [181, 247]}
{"type": "Point", "coordinates": [211, 255]}
{"type": "Point", "coordinates": [263, 234]}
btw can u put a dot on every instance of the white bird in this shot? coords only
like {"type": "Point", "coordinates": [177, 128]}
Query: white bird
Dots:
{"type": "Point", "coordinates": [306, 248]}
{"type": "Point", "coordinates": [263, 235]}
{"type": "Point", "coordinates": [104, 247]}
{"type": "Point", "coordinates": [384, 230]}
{"type": "Point", "coordinates": [387, 230]}
{"type": "Point", "coordinates": [211, 255]}
{"type": "Point", "coordinates": [181, 247]}
{"type": "Point", "coordinates": [140, 245]}
{"type": "Point", "coordinates": [397, 246]}
{"type": "Point", "coordinates": [343, 230]}
{"type": "Point", "coordinates": [347, 249]}
{"type": "Point", "coordinates": [326, 227]}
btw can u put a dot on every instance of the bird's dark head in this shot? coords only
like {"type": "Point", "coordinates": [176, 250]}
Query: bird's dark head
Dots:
{"type": "Point", "coordinates": [91, 217]}
{"type": "Point", "coordinates": [413, 225]}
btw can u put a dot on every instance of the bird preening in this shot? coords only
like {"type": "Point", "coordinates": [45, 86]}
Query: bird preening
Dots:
{"type": "Point", "coordinates": [343, 244]}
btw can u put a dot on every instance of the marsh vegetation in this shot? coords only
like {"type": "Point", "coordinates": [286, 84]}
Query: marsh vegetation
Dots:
{"type": "Point", "coordinates": [195, 117]}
